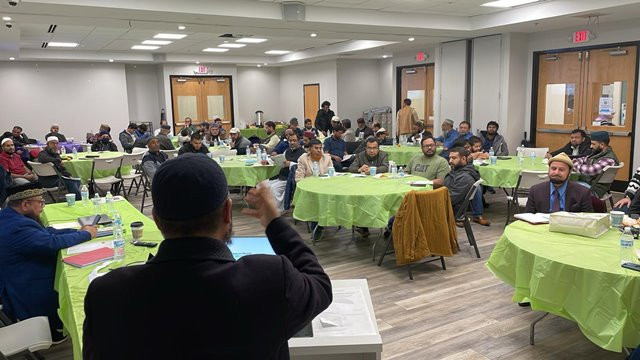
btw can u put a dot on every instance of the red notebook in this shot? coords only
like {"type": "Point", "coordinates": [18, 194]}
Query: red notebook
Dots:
{"type": "Point", "coordinates": [89, 257]}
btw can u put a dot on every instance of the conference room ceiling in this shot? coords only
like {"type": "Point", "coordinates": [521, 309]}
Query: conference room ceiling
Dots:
{"type": "Point", "coordinates": [107, 29]}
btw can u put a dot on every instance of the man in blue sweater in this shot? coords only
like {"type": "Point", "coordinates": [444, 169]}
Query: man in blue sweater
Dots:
{"type": "Point", "coordinates": [28, 256]}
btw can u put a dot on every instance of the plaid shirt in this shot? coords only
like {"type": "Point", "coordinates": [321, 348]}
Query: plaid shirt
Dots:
{"type": "Point", "coordinates": [583, 167]}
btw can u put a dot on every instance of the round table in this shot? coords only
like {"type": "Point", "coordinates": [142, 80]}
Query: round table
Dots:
{"type": "Point", "coordinates": [572, 276]}
{"type": "Point", "coordinates": [401, 154]}
{"type": "Point", "coordinates": [239, 174]}
{"type": "Point", "coordinates": [81, 168]}
{"type": "Point", "coordinates": [506, 172]}
{"type": "Point", "coordinates": [350, 201]}
{"type": "Point", "coordinates": [260, 132]}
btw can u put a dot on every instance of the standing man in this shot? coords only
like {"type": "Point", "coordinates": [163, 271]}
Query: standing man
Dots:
{"type": "Point", "coordinates": [238, 142]}
{"type": "Point", "coordinates": [559, 193]}
{"type": "Point", "coordinates": [323, 118]}
{"type": "Point", "coordinates": [163, 138]}
{"type": "Point", "coordinates": [579, 145]}
{"type": "Point", "coordinates": [12, 163]}
{"type": "Point", "coordinates": [50, 155]}
{"type": "Point", "coordinates": [127, 137]}
{"type": "Point", "coordinates": [428, 165]}
{"type": "Point", "coordinates": [194, 145]}
{"type": "Point", "coordinates": [152, 160]}
{"type": "Point", "coordinates": [407, 117]}
{"type": "Point", "coordinates": [491, 139]}
{"type": "Point", "coordinates": [336, 147]}
{"type": "Point", "coordinates": [449, 135]}
{"type": "Point", "coordinates": [29, 256]}
{"type": "Point", "coordinates": [55, 131]}
{"type": "Point", "coordinates": [235, 309]}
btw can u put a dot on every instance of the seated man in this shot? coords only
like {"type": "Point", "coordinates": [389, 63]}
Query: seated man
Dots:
{"type": "Point", "coordinates": [163, 138]}
{"type": "Point", "coordinates": [375, 127]}
{"type": "Point", "coordinates": [308, 135]}
{"type": "Point", "coordinates": [419, 133]}
{"type": "Point", "coordinates": [19, 138]}
{"type": "Point", "coordinates": [142, 136]}
{"type": "Point", "coordinates": [293, 125]}
{"type": "Point", "coordinates": [305, 169]}
{"type": "Point", "coordinates": [50, 155]}
{"type": "Point", "coordinates": [428, 165]}
{"type": "Point", "coordinates": [284, 143]}
{"type": "Point", "coordinates": [239, 142]}
{"type": "Point", "coordinates": [29, 255]}
{"type": "Point", "coordinates": [578, 146]}
{"type": "Point", "coordinates": [363, 129]}
{"type": "Point", "coordinates": [349, 134]}
{"type": "Point", "coordinates": [459, 181]}
{"type": "Point", "coordinates": [464, 130]}
{"type": "Point", "coordinates": [591, 167]}
{"type": "Point", "coordinates": [127, 137]}
{"type": "Point", "coordinates": [272, 138]}
{"type": "Point", "coordinates": [477, 152]}
{"type": "Point", "coordinates": [183, 137]}
{"type": "Point", "coordinates": [559, 193]}
{"type": "Point", "coordinates": [381, 136]}
{"type": "Point", "coordinates": [188, 125]}
{"type": "Point", "coordinates": [152, 160]}
{"type": "Point", "coordinates": [12, 163]}
{"type": "Point", "coordinates": [94, 138]}
{"type": "Point", "coordinates": [194, 145]}
{"type": "Point", "coordinates": [291, 155]}
{"type": "Point", "coordinates": [629, 194]}
{"type": "Point", "coordinates": [491, 139]}
{"type": "Point", "coordinates": [105, 143]}
{"type": "Point", "coordinates": [634, 208]}
{"type": "Point", "coordinates": [214, 135]}
{"type": "Point", "coordinates": [55, 131]}
{"type": "Point", "coordinates": [336, 147]}
{"type": "Point", "coordinates": [449, 135]}
{"type": "Point", "coordinates": [309, 127]}
{"type": "Point", "coordinates": [373, 156]}
{"type": "Point", "coordinates": [227, 301]}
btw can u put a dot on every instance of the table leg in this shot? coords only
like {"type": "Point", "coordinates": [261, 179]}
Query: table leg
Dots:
{"type": "Point", "coordinates": [533, 326]}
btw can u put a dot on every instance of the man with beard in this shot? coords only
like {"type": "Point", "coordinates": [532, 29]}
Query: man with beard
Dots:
{"type": "Point", "coordinates": [459, 181]}
{"type": "Point", "coordinates": [194, 145]}
{"type": "Point", "coordinates": [309, 127]}
{"type": "Point", "coordinates": [13, 164]}
{"type": "Point", "coordinates": [428, 165]}
{"type": "Point", "coordinates": [55, 131]}
{"type": "Point", "coordinates": [291, 155]}
{"type": "Point", "coordinates": [449, 135]}
{"type": "Point", "coordinates": [491, 139]}
{"type": "Point", "coordinates": [323, 118]}
{"type": "Point", "coordinates": [50, 155]}
{"type": "Point", "coordinates": [464, 130]}
{"type": "Point", "coordinates": [559, 193]}
{"type": "Point", "coordinates": [591, 167]}
{"type": "Point", "coordinates": [224, 302]}
{"type": "Point", "coordinates": [406, 118]}
{"type": "Point", "coordinates": [578, 146]}
{"type": "Point", "coordinates": [105, 143]}
{"type": "Point", "coordinates": [272, 137]}
{"type": "Point", "coordinates": [29, 255]}
{"type": "Point", "coordinates": [152, 160]}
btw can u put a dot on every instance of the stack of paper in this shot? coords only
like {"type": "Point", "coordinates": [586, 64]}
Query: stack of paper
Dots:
{"type": "Point", "coordinates": [537, 218]}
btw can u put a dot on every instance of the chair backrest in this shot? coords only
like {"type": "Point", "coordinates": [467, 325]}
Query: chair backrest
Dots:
{"type": "Point", "coordinates": [171, 153]}
{"type": "Point", "coordinates": [139, 150]}
{"type": "Point", "coordinates": [467, 199]}
{"type": "Point", "coordinates": [609, 173]}
{"type": "Point", "coordinates": [540, 152]}
{"type": "Point", "coordinates": [352, 146]}
{"type": "Point", "coordinates": [132, 159]}
{"type": "Point", "coordinates": [529, 178]}
{"type": "Point", "coordinates": [45, 169]}
{"type": "Point", "coordinates": [107, 163]}
{"type": "Point", "coordinates": [31, 334]}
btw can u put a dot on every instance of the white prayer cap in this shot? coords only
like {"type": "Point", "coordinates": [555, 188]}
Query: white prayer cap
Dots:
{"type": "Point", "coordinates": [52, 138]}
{"type": "Point", "coordinates": [5, 140]}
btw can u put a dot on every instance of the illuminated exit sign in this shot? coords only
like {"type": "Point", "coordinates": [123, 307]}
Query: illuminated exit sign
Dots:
{"type": "Point", "coordinates": [582, 36]}
{"type": "Point", "coordinates": [421, 56]}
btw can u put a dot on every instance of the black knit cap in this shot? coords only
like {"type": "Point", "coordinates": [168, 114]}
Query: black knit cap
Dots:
{"type": "Point", "coordinates": [188, 186]}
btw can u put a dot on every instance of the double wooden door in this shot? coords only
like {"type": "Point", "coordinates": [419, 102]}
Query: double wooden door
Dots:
{"type": "Point", "coordinates": [593, 90]}
{"type": "Point", "coordinates": [202, 98]}
{"type": "Point", "coordinates": [417, 83]}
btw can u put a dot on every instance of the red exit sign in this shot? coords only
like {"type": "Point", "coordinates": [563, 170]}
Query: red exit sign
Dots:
{"type": "Point", "coordinates": [581, 36]}
{"type": "Point", "coordinates": [421, 56]}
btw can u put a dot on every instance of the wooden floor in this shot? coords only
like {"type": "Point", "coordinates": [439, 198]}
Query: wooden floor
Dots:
{"type": "Point", "coordinates": [461, 313]}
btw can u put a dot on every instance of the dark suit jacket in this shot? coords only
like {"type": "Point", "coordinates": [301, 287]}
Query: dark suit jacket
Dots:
{"type": "Point", "coordinates": [584, 149]}
{"type": "Point", "coordinates": [194, 301]}
{"type": "Point", "coordinates": [577, 198]}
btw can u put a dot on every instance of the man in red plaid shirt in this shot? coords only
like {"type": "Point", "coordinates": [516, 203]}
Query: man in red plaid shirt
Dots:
{"type": "Point", "coordinates": [591, 167]}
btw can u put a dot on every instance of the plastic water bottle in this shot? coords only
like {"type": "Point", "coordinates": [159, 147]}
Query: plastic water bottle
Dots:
{"type": "Point", "coordinates": [63, 150]}
{"type": "Point", "coordinates": [533, 157]}
{"type": "Point", "coordinates": [331, 171]}
{"type": "Point", "coordinates": [75, 153]}
{"type": "Point", "coordinates": [84, 194]}
{"type": "Point", "coordinates": [491, 152]}
{"type": "Point", "coordinates": [394, 169]}
{"type": "Point", "coordinates": [400, 172]}
{"type": "Point", "coordinates": [520, 157]}
{"type": "Point", "coordinates": [263, 155]}
{"type": "Point", "coordinates": [315, 169]}
{"type": "Point", "coordinates": [626, 247]}
{"type": "Point", "coordinates": [248, 150]}
{"type": "Point", "coordinates": [118, 237]}
{"type": "Point", "coordinates": [109, 203]}
{"type": "Point", "coordinates": [97, 204]}
{"type": "Point", "coordinates": [258, 153]}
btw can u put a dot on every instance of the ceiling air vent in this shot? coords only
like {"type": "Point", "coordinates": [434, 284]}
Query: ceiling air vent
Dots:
{"type": "Point", "coordinates": [52, 28]}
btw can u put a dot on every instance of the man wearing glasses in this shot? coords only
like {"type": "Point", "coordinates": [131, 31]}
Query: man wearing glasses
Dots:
{"type": "Point", "coordinates": [428, 165]}
{"type": "Point", "coordinates": [28, 256]}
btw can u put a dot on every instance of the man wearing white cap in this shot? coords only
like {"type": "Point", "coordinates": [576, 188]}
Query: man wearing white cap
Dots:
{"type": "Point", "coordinates": [50, 155]}
{"type": "Point", "coordinates": [381, 136]}
{"type": "Point", "coordinates": [13, 164]}
{"type": "Point", "coordinates": [238, 142]}
{"type": "Point", "coordinates": [55, 131]}
{"type": "Point", "coordinates": [449, 135]}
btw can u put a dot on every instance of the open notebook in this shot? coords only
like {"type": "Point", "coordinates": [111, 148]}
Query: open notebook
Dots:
{"type": "Point", "coordinates": [537, 218]}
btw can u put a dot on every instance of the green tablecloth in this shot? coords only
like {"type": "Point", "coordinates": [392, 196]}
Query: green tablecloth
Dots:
{"type": "Point", "coordinates": [260, 132]}
{"type": "Point", "coordinates": [506, 172]}
{"type": "Point", "coordinates": [81, 168]}
{"type": "Point", "coordinates": [575, 277]}
{"type": "Point", "coordinates": [72, 283]}
{"type": "Point", "coordinates": [349, 201]}
{"type": "Point", "coordinates": [402, 154]}
{"type": "Point", "coordinates": [239, 174]}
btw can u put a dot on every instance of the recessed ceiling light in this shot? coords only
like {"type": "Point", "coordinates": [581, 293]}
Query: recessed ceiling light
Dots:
{"type": "Point", "coordinates": [215, 50]}
{"type": "Point", "coordinates": [6, 18]}
{"type": "Point", "coordinates": [12, 58]}
{"type": "Point", "coordinates": [197, 62]}
{"type": "Point", "coordinates": [157, 42]}
{"type": "Point", "coordinates": [411, 39]}
{"type": "Point", "coordinates": [232, 45]}
{"type": "Point", "coordinates": [259, 65]}
{"type": "Point", "coordinates": [63, 44]}
{"type": "Point", "coordinates": [384, 56]}
{"type": "Point", "coordinates": [277, 52]}
{"type": "Point", "coordinates": [508, 3]}
{"type": "Point", "coordinates": [145, 47]}
{"type": "Point", "coordinates": [181, 27]}
{"type": "Point", "coordinates": [170, 36]}
{"type": "Point", "coordinates": [251, 40]}
{"type": "Point", "coordinates": [111, 60]}
{"type": "Point", "coordinates": [313, 34]}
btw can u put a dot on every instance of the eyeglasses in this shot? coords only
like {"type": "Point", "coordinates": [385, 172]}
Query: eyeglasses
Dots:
{"type": "Point", "coordinates": [41, 201]}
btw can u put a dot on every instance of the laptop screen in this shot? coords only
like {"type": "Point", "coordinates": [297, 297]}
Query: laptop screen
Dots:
{"type": "Point", "coordinates": [250, 245]}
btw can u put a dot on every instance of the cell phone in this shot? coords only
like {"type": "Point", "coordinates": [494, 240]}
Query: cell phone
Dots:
{"type": "Point", "coordinates": [631, 266]}
{"type": "Point", "coordinates": [484, 164]}
{"type": "Point", "coordinates": [145, 243]}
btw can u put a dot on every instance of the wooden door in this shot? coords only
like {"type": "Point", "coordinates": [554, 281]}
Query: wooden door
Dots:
{"type": "Point", "coordinates": [610, 94]}
{"type": "Point", "coordinates": [311, 96]}
{"type": "Point", "coordinates": [216, 100]}
{"type": "Point", "coordinates": [186, 93]}
{"type": "Point", "coordinates": [416, 83]}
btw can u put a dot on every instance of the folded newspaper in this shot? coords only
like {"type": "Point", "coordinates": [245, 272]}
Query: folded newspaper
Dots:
{"type": "Point", "coordinates": [584, 224]}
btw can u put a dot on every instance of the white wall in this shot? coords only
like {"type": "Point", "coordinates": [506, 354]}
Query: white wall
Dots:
{"type": "Point", "coordinates": [452, 83]}
{"type": "Point", "coordinates": [513, 91]}
{"type": "Point", "coordinates": [78, 96]}
{"type": "Point", "coordinates": [292, 78]}
{"type": "Point", "coordinates": [358, 87]}
{"type": "Point", "coordinates": [387, 86]}
{"type": "Point", "coordinates": [143, 93]}
{"type": "Point", "coordinates": [259, 89]}
{"type": "Point", "coordinates": [485, 84]}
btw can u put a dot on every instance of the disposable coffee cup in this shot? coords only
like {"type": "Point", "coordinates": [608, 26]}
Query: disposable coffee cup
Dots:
{"type": "Point", "coordinates": [71, 199]}
{"type": "Point", "coordinates": [616, 218]}
{"type": "Point", "coordinates": [493, 160]}
{"type": "Point", "coordinates": [372, 170]}
{"type": "Point", "coordinates": [221, 159]}
{"type": "Point", "coordinates": [137, 228]}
